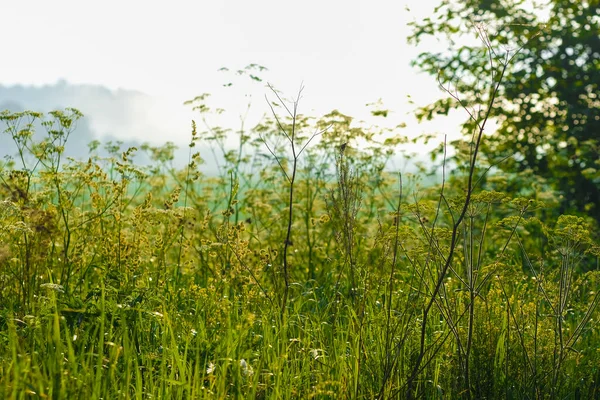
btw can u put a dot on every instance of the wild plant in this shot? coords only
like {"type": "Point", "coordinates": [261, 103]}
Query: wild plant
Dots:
{"type": "Point", "coordinates": [307, 270]}
{"type": "Point", "coordinates": [297, 145]}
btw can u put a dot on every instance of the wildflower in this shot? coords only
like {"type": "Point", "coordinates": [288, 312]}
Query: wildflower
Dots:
{"type": "Point", "coordinates": [211, 368]}
{"type": "Point", "coordinates": [316, 353]}
{"type": "Point", "coordinates": [246, 368]}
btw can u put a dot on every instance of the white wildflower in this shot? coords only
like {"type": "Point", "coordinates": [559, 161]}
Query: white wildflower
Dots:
{"type": "Point", "coordinates": [211, 368]}
{"type": "Point", "coordinates": [316, 353]}
{"type": "Point", "coordinates": [246, 368]}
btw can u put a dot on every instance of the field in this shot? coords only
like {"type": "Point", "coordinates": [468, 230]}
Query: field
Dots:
{"type": "Point", "coordinates": [304, 270]}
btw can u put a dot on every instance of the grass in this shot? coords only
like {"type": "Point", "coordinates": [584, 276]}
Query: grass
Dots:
{"type": "Point", "coordinates": [309, 273]}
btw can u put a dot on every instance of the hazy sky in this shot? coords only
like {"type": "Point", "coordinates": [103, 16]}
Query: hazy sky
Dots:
{"type": "Point", "coordinates": [347, 53]}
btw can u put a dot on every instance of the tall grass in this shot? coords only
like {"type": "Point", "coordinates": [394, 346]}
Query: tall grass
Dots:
{"type": "Point", "coordinates": [307, 273]}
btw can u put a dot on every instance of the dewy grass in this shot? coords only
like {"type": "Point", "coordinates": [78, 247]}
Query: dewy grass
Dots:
{"type": "Point", "coordinates": [119, 281]}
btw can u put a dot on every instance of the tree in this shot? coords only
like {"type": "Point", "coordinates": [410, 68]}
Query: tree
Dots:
{"type": "Point", "coordinates": [549, 113]}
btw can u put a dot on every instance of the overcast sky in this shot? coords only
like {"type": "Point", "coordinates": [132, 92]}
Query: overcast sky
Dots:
{"type": "Point", "coordinates": [346, 53]}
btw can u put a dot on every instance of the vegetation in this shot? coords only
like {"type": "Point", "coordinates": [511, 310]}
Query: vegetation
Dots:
{"type": "Point", "coordinates": [548, 112]}
{"type": "Point", "coordinates": [304, 270]}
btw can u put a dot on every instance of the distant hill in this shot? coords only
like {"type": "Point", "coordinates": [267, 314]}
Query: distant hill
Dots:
{"type": "Point", "coordinates": [125, 115]}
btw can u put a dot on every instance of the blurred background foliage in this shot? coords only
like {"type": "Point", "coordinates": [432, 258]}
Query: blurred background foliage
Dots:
{"type": "Point", "coordinates": [548, 113]}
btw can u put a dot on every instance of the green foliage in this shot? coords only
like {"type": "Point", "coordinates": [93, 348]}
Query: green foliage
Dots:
{"type": "Point", "coordinates": [548, 113]}
{"type": "Point", "coordinates": [303, 270]}
{"type": "Point", "coordinates": [121, 281]}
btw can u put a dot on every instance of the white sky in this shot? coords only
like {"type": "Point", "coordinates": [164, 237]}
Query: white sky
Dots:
{"type": "Point", "coordinates": [347, 53]}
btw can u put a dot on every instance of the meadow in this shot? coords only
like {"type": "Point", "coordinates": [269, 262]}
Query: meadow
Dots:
{"type": "Point", "coordinates": [305, 269]}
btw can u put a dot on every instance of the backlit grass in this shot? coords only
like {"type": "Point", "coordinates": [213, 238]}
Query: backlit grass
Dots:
{"type": "Point", "coordinates": [125, 281]}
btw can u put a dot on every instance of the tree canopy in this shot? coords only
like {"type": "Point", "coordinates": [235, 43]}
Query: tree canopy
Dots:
{"type": "Point", "coordinates": [548, 105]}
